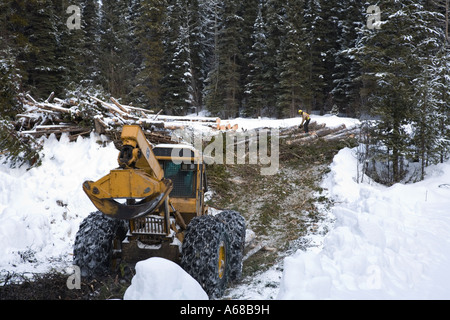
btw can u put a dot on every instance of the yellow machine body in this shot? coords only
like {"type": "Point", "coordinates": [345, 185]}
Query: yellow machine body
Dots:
{"type": "Point", "coordinates": [158, 189]}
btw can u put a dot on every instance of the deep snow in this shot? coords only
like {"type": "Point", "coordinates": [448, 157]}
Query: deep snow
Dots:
{"type": "Point", "coordinates": [386, 243]}
{"type": "Point", "coordinates": [383, 243]}
{"type": "Point", "coordinates": [161, 279]}
{"type": "Point", "coordinates": [41, 208]}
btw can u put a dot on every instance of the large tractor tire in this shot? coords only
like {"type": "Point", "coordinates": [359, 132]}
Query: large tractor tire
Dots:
{"type": "Point", "coordinates": [205, 254]}
{"type": "Point", "coordinates": [235, 225]}
{"type": "Point", "coordinates": [93, 248]}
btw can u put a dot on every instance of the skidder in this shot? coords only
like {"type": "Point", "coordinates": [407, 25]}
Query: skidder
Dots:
{"type": "Point", "coordinates": [153, 206]}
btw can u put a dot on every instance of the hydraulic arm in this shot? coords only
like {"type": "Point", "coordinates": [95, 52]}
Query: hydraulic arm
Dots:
{"type": "Point", "coordinates": [139, 181]}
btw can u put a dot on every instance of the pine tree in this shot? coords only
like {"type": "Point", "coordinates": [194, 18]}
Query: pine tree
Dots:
{"type": "Point", "coordinates": [347, 70]}
{"type": "Point", "coordinates": [44, 75]}
{"type": "Point", "coordinates": [116, 67]}
{"type": "Point", "coordinates": [150, 32]}
{"type": "Point", "coordinates": [427, 39]}
{"type": "Point", "coordinates": [90, 27]}
{"type": "Point", "coordinates": [256, 87]}
{"type": "Point", "coordinates": [249, 12]}
{"type": "Point", "coordinates": [13, 46]}
{"type": "Point", "coordinates": [320, 40]}
{"type": "Point", "coordinates": [291, 63]}
{"type": "Point", "coordinates": [389, 63]}
{"type": "Point", "coordinates": [70, 56]}
{"type": "Point", "coordinates": [176, 80]}
{"type": "Point", "coordinates": [398, 66]}
{"type": "Point", "coordinates": [224, 79]}
{"type": "Point", "coordinates": [273, 11]}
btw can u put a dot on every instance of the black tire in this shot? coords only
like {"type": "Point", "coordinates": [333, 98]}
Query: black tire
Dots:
{"type": "Point", "coordinates": [92, 251]}
{"type": "Point", "coordinates": [205, 240]}
{"type": "Point", "coordinates": [235, 225]}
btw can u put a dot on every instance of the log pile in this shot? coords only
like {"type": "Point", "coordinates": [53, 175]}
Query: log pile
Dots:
{"type": "Point", "coordinates": [316, 132]}
{"type": "Point", "coordinates": [80, 118]}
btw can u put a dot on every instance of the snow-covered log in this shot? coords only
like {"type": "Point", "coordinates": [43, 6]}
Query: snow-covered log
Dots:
{"type": "Point", "coordinates": [305, 138]}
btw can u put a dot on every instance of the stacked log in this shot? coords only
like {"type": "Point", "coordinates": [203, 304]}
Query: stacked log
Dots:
{"type": "Point", "coordinates": [304, 138]}
{"type": "Point", "coordinates": [80, 118]}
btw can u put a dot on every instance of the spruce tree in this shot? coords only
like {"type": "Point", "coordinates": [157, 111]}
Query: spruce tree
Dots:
{"type": "Point", "coordinates": [389, 64]}
{"type": "Point", "coordinates": [224, 87]}
{"type": "Point", "coordinates": [193, 30]}
{"type": "Point", "coordinates": [150, 32]}
{"type": "Point", "coordinates": [291, 61]}
{"type": "Point", "coordinates": [398, 62]}
{"type": "Point", "coordinates": [441, 72]}
{"type": "Point", "coordinates": [44, 75]}
{"type": "Point", "coordinates": [319, 33]}
{"type": "Point", "coordinates": [257, 89]}
{"type": "Point", "coordinates": [18, 150]}
{"type": "Point", "coordinates": [210, 12]}
{"type": "Point", "coordinates": [91, 49]}
{"type": "Point", "coordinates": [176, 82]}
{"type": "Point", "coordinates": [249, 12]}
{"type": "Point", "coordinates": [427, 40]}
{"type": "Point", "coordinates": [70, 55]}
{"type": "Point", "coordinates": [347, 70]}
{"type": "Point", "coordinates": [13, 46]}
{"type": "Point", "coordinates": [115, 64]}
{"type": "Point", "coordinates": [9, 88]}
{"type": "Point", "coordinates": [273, 11]}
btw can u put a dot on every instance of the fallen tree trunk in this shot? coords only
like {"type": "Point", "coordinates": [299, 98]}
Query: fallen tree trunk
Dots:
{"type": "Point", "coordinates": [316, 135]}
{"type": "Point", "coordinates": [296, 132]}
{"type": "Point", "coordinates": [57, 129]}
{"type": "Point", "coordinates": [342, 135]}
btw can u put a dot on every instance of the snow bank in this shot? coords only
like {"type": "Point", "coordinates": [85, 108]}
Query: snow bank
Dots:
{"type": "Point", "coordinates": [386, 243]}
{"type": "Point", "coordinates": [161, 279]}
{"type": "Point", "coordinates": [41, 209]}
{"type": "Point", "coordinates": [330, 120]}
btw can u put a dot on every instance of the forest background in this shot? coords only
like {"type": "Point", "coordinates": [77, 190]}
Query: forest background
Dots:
{"type": "Point", "coordinates": [387, 60]}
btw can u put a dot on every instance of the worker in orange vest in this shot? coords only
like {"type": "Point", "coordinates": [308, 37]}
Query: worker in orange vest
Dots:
{"type": "Point", "coordinates": [306, 119]}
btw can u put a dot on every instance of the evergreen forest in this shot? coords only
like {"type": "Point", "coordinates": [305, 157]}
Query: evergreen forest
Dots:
{"type": "Point", "coordinates": [378, 59]}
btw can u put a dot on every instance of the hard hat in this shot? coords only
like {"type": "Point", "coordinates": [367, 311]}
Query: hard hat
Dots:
{"type": "Point", "coordinates": [300, 111]}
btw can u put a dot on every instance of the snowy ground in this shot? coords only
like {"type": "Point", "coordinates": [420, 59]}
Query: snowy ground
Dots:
{"type": "Point", "coordinates": [383, 243]}
{"type": "Point", "coordinates": [386, 243]}
{"type": "Point", "coordinates": [41, 209]}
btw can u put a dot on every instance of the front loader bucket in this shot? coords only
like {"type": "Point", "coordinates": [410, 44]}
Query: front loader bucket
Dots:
{"type": "Point", "coordinates": [114, 209]}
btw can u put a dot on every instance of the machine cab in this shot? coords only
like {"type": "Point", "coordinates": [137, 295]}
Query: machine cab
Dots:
{"type": "Point", "coordinates": [184, 166]}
